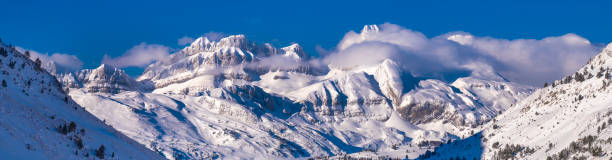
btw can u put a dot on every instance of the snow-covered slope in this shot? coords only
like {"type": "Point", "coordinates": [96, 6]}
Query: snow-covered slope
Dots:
{"type": "Point", "coordinates": [39, 121]}
{"type": "Point", "coordinates": [220, 99]}
{"type": "Point", "coordinates": [569, 119]}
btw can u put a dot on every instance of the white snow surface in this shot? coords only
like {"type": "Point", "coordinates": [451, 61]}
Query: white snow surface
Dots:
{"type": "Point", "coordinates": [33, 106]}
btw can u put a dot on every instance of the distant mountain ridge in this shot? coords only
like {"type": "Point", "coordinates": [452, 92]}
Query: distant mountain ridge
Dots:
{"type": "Point", "coordinates": [226, 103]}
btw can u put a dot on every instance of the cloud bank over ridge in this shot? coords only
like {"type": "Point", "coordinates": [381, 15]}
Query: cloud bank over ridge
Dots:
{"type": "Point", "coordinates": [447, 56]}
{"type": "Point", "coordinates": [138, 56]}
{"type": "Point", "coordinates": [527, 61]}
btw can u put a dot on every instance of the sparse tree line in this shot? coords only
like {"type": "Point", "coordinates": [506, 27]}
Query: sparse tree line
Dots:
{"type": "Point", "coordinates": [580, 77]}
{"type": "Point", "coordinates": [4, 53]}
{"type": "Point", "coordinates": [587, 144]}
{"type": "Point", "coordinates": [511, 151]}
{"type": "Point", "coordinates": [70, 129]}
{"type": "Point", "coordinates": [36, 65]}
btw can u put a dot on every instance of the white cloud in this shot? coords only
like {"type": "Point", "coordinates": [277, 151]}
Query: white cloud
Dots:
{"type": "Point", "coordinates": [138, 56]}
{"type": "Point", "coordinates": [277, 62]}
{"type": "Point", "coordinates": [185, 41]}
{"type": "Point", "coordinates": [362, 54]}
{"type": "Point", "coordinates": [536, 61]}
{"type": "Point", "coordinates": [527, 61]}
{"type": "Point", "coordinates": [63, 62]}
{"type": "Point", "coordinates": [321, 52]}
{"type": "Point", "coordinates": [388, 33]}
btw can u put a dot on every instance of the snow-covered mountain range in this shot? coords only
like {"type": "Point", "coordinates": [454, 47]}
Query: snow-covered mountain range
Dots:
{"type": "Point", "coordinates": [40, 121]}
{"type": "Point", "coordinates": [223, 99]}
{"type": "Point", "coordinates": [233, 98]}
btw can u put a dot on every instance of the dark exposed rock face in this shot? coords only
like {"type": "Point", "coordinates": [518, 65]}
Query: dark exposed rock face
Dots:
{"type": "Point", "coordinates": [425, 112]}
{"type": "Point", "coordinates": [261, 102]}
{"type": "Point", "coordinates": [418, 113]}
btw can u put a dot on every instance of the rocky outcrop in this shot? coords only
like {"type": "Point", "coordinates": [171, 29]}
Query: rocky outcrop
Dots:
{"type": "Point", "coordinates": [105, 78]}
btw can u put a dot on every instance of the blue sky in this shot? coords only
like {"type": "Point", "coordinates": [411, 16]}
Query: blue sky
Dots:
{"type": "Point", "coordinates": [90, 29]}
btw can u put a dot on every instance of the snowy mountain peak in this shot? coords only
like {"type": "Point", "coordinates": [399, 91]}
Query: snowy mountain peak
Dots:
{"type": "Point", "coordinates": [293, 47]}
{"type": "Point", "coordinates": [389, 78]}
{"type": "Point", "coordinates": [105, 78]}
{"type": "Point", "coordinates": [369, 28]}
{"type": "Point", "coordinates": [238, 41]}
{"type": "Point", "coordinates": [202, 41]}
{"type": "Point", "coordinates": [106, 68]}
{"type": "Point", "coordinates": [366, 34]}
{"type": "Point", "coordinates": [463, 39]}
{"type": "Point", "coordinates": [295, 51]}
{"type": "Point", "coordinates": [608, 50]}
{"type": "Point", "coordinates": [106, 71]}
{"type": "Point", "coordinates": [203, 44]}
{"type": "Point", "coordinates": [389, 62]}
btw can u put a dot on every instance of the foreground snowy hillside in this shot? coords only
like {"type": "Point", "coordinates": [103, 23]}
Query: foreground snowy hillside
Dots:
{"type": "Point", "coordinates": [39, 121]}
{"type": "Point", "coordinates": [569, 119]}
{"type": "Point", "coordinates": [222, 99]}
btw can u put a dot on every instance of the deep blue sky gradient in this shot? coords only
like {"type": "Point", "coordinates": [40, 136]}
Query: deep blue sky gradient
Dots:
{"type": "Point", "coordinates": [92, 28]}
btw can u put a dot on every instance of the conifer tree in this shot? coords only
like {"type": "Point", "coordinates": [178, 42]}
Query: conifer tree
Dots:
{"type": "Point", "coordinates": [3, 52]}
{"type": "Point", "coordinates": [100, 152]}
